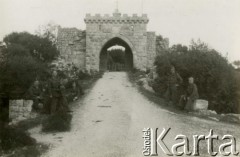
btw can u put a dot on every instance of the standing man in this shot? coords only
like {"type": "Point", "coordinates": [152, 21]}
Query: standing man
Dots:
{"type": "Point", "coordinates": [36, 93]}
{"type": "Point", "coordinates": [56, 94]}
{"type": "Point", "coordinates": [174, 80]}
{"type": "Point", "coordinates": [46, 98]}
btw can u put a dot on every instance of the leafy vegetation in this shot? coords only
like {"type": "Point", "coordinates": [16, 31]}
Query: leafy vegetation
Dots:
{"type": "Point", "coordinates": [117, 56]}
{"type": "Point", "coordinates": [25, 58]}
{"type": "Point", "coordinates": [14, 138]}
{"type": "Point", "coordinates": [57, 122]}
{"type": "Point", "coordinates": [213, 74]}
{"type": "Point", "coordinates": [41, 48]}
{"type": "Point", "coordinates": [237, 64]}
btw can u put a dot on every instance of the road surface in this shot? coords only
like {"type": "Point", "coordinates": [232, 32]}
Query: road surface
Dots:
{"type": "Point", "coordinates": [109, 121]}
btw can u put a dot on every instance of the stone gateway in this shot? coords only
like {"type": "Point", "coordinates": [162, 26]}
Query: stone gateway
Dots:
{"type": "Point", "coordinates": [88, 49]}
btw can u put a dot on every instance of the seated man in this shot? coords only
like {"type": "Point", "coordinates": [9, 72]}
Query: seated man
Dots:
{"type": "Point", "coordinates": [191, 95]}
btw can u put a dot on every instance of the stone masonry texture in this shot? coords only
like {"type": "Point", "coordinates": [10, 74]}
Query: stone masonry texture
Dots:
{"type": "Point", "coordinates": [83, 48]}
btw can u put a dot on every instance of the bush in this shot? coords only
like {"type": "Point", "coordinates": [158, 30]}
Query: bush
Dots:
{"type": "Point", "coordinates": [83, 75]}
{"type": "Point", "coordinates": [19, 70]}
{"type": "Point", "coordinates": [213, 75]}
{"type": "Point", "coordinates": [40, 48]}
{"type": "Point", "coordinates": [57, 122]}
{"type": "Point", "coordinates": [12, 138]}
{"type": "Point", "coordinates": [25, 58]}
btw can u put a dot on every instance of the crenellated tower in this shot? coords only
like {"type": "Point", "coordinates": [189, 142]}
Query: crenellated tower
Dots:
{"type": "Point", "coordinates": [132, 29]}
{"type": "Point", "coordinates": [88, 49]}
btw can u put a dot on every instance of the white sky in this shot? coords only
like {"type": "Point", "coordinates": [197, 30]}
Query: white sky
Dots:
{"type": "Point", "coordinates": [216, 22]}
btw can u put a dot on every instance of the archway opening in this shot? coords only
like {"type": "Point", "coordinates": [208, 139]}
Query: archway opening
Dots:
{"type": "Point", "coordinates": [116, 55]}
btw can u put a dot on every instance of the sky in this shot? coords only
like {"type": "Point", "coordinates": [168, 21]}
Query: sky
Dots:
{"type": "Point", "coordinates": [216, 22]}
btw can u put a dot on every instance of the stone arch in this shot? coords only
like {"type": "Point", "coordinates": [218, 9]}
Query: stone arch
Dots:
{"type": "Point", "coordinates": [125, 39]}
{"type": "Point", "coordinates": [116, 40]}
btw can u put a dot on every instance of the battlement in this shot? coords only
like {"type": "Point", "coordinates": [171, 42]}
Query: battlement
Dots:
{"type": "Point", "coordinates": [116, 18]}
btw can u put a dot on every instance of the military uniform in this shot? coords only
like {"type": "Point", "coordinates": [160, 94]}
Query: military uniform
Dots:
{"type": "Point", "coordinates": [56, 90]}
{"type": "Point", "coordinates": [174, 79]}
{"type": "Point", "coordinates": [192, 95]}
{"type": "Point", "coordinates": [35, 93]}
{"type": "Point", "coordinates": [46, 99]}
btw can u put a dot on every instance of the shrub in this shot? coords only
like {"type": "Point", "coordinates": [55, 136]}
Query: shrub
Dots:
{"type": "Point", "coordinates": [25, 58]}
{"type": "Point", "coordinates": [40, 48]}
{"type": "Point", "coordinates": [57, 122]}
{"type": "Point", "coordinates": [213, 75]}
{"type": "Point", "coordinates": [83, 75]}
{"type": "Point", "coordinates": [12, 138]}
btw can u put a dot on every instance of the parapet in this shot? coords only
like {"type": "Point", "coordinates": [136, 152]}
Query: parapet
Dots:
{"type": "Point", "coordinates": [116, 18]}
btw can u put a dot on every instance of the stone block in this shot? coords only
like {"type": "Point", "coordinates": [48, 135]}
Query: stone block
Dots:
{"type": "Point", "coordinates": [28, 105]}
{"type": "Point", "coordinates": [200, 104]}
{"type": "Point", "coordinates": [16, 102]}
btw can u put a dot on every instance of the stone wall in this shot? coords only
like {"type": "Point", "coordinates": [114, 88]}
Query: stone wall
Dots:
{"type": "Point", "coordinates": [71, 42]}
{"type": "Point", "coordinates": [19, 109]}
{"type": "Point", "coordinates": [131, 29]}
{"type": "Point", "coordinates": [151, 48]}
{"type": "Point", "coordinates": [162, 44]}
{"type": "Point", "coordinates": [83, 48]}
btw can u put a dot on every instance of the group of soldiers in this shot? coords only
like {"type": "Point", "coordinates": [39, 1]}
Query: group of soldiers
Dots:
{"type": "Point", "coordinates": [50, 97]}
{"type": "Point", "coordinates": [53, 98]}
{"type": "Point", "coordinates": [187, 99]}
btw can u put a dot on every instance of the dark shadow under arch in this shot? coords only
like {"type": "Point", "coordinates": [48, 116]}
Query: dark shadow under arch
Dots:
{"type": "Point", "coordinates": [104, 56]}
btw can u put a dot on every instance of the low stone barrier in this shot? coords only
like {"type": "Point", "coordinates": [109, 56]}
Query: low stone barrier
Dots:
{"type": "Point", "coordinates": [200, 104]}
{"type": "Point", "coordinates": [19, 109]}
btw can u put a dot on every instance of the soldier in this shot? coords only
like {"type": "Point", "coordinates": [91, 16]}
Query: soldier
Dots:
{"type": "Point", "coordinates": [46, 98]}
{"type": "Point", "coordinates": [174, 79]}
{"type": "Point", "coordinates": [35, 93]}
{"type": "Point", "coordinates": [191, 95]}
{"type": "Point", "coordinates": [74, 91]}
{"type": "Point", "coordinates": [56, 90]}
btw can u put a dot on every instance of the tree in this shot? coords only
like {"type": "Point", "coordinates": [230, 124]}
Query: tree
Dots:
{"type": "Point", "coordinates": [198, 46]}
{"type": "Point", "coordinates": [118, 56]}
{"type": "Point", "coordinates": [19, 69]}
{"type": "Point", "coordinates": [41, 48]}
{"type": "Point", "coordinates": [179, 48]}
{"type": "Point", "coordinates": [25, 59]}
{"type": "Point", "coordinates": [237, 63]}
{"type": "Point", "coordinates": [48, 31]}
{"type": "Point", "coordinates": [213, 75]}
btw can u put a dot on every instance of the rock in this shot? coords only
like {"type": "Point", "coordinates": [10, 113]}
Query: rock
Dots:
{"type": "Point", "coordinates": [237, 116]}
{"type": "Point", "coordinates": [214, 118]}
{"type": "Point", "coordinates": [142, 80]}
{"type": "Point", "coordinates": [206, 112]}
{"type": "Point", "coordinates": [28, 105]}
{"type": "Point", "coordinates": [212, 112]}
{"type": "Point", "coordinates": [200, 104]}
{"type": "Point", "coordinates": [20, 110]}
{"type": "Point", "coordinates": [144, 83]}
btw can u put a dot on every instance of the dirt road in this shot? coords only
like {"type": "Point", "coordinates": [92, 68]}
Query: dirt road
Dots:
{"type": "Point", "coordinates": [109, 121]}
